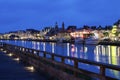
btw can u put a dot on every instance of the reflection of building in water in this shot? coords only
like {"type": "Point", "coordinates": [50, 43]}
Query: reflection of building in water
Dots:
{"type": "Point", "coordinates": [53, 47]}
{"type": "Point", "coordinates": [68, 48]}
{"type": "Point", "coordinates": [44, 46]}
{"type": "Point", "coordinates": [114, 55]}
{"type": "Point", "coordinates": [38, 45]}
{"type": "Point", "coordinates": [110, 52]}
{"type": "Point", "coordinates": [114, 58]}
{"type": "Point", "coordinates": [23, 43]}
{"type": "Point", "coordinates": [33, 44]}
{"type": "Point", "coordinates": [83, 49]}
{"type": "Point", "coordinates": [83, 52]}
{"type": "Point", "coordinates": [97, 51]}
{"type": "Point", "coordinates": [68, 51]}
{"type": "Point", "coordinates": [73, 51]}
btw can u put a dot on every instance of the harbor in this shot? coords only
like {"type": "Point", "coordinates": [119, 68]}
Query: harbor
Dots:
{"type": "Point", "coordinates": [59, 40]}
{"type": "Point", "coordinates": [105, 54]}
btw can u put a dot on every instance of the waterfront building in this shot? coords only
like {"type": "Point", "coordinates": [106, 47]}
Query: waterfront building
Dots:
{"type": "Point", "coordinates": [62, 34]}
{"type": "Point", "coordinates": [1, 36]}
{"type": "Point", "coordinates": [114, 33]}
{"type": "Point", "coordinates": [80, 33]}
{"type": "Point", "coordinates": [71, 28]}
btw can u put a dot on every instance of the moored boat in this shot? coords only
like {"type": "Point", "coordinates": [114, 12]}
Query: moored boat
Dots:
{"type": "Point", "coordinates": [91, 40]}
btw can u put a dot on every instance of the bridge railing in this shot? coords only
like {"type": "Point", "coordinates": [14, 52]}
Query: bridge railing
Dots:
{"type": "Point", "coordinates": [75, 68]}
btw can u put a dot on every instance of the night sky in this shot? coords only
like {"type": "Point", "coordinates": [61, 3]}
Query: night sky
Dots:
{"type": "Point", "coordinates": [37, 14]}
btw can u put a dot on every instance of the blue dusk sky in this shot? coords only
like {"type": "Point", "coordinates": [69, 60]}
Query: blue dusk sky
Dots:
{"type": "Point", "coordinates": [37, 14]}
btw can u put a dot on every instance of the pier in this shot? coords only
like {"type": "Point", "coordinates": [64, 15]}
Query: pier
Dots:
{"type": "Point", "coordinates": [12, 69]}
{"type": "Point", "coordinates": [58, 69]}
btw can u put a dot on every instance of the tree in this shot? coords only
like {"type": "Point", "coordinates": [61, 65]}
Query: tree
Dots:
{"type": "Point", "coordinates": [106, 34]}
{"type": "Point", "coordinates": [13, 36]}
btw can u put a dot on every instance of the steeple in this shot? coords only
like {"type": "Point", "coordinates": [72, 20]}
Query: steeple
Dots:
{"type": "Point", "coordinates": [56, 25]}
{"type": "Point", "coordinates": [63, 26]}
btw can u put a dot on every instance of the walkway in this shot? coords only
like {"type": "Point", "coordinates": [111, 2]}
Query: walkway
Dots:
{"type": "Point", "coordinates": [13, 70]}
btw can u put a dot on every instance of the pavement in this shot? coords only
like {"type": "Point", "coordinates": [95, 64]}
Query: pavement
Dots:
{"type": "Point", "coordinates": [14, 70]}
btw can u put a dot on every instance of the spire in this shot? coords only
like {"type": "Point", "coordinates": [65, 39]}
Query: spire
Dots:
{"type": "Point", "coordinates": [63, 26]}
{"type": "Point", "coordinates": [56, 25]}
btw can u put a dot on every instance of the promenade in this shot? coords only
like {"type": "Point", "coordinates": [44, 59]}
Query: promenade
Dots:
{"type": "Point", "coordinates": [13, 70]}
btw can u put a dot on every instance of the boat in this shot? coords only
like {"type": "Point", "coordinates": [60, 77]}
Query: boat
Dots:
{"type": "Point", "coordinates": [78, 40]}
{"type": "Point", "coordinates": [60, 40]}
{"type": "Point", "coordinates": [91, 40]}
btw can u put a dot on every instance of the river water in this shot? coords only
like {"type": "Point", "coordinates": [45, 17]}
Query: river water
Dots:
{"type": "Point", "coordinates": [100, 53]}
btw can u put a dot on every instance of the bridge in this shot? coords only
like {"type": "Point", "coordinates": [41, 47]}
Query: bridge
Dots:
{"type": "Point", "coordinates": [57, 69]}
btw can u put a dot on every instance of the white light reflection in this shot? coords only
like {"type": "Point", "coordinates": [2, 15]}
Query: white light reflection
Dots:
{"type": "Point", "coordinates": [97, 50]}
{"type": "Point", "coordinates": [68, 52]}
{"type": "Point", "coordinates": [22, 42]}
{"type": "Point", "coordinates": [97, 53]}
{"type": "Point", "coordinates": [109, 57]}
{"type": "Point", "coordinates": [16, 59]}
{"type": "Point", "coordinates": [117, 51]}
{"type": "Point", "coordinates": [1, 41]}
{"type": "Point", "coordinates": [15, 41]}
{"type": "Point", "coordinates": [30, 68]}
{"type": "Point", "coordinates": [38, 45]}
{"type": "Point", "coordinates": [10, 54]}
{"type": "Point", "coordinates": [53, 47]}
{"type": "Point", "coordinates": [4, 51]}
{"type": "Point", "coordinates": [34, 44]}
{"type": "Point", "coordinates": [73, 51]}
{"type": "Point", "coordinates": [109, 50]}
{"type": "Point", "coordinates": [103, 50]}
{"type": "Point", "coordinates": [85, 49]}
{"type": "Point", "coordinates": [44, 46]}
{"type": "Point", "coordinates": [1, 49]}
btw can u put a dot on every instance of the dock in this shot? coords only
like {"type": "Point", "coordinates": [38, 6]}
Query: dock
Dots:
{"type": "Point", "coordinates": [15, 70]}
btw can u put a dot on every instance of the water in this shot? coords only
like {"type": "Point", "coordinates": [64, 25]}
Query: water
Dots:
{"type": "Point", "coordinates": [99, 53]}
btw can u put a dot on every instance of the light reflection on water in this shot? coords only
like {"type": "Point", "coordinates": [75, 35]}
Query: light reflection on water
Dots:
{"type": "Point", "coordinates": [100, 53]}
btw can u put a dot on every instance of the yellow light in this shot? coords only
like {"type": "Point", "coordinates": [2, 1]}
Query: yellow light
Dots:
{"type": "Point", "coordinates": [10, 54]}
{"type": "Point", "coordinates": [114, 30]}
{"type": "Point", "coordinates": [113, 55]}
{"type": "Point", "coordinates": [16, 59]}
{"type": "Point", "coordinates": [30, 68]}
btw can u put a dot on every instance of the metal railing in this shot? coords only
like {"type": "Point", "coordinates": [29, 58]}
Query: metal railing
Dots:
{"type": "Point", "coordinates": [76, 70]}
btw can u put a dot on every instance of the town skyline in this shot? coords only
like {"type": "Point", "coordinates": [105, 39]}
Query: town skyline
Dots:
{"type": "Point", "coordinates": [65, 27]}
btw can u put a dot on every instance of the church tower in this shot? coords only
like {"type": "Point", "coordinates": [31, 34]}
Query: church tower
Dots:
{"type": "Point", "coordinates": [63, 26]}
{"type": "Point", "coordinates": [56, 25]}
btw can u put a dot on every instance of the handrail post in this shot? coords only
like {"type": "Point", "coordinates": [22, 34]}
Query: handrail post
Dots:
{"type": "Point", "coordinates": [62, 59]}
{"type": "Point", "coordinates": [29, 51]}
{"type": "Point", "coordinates": [32, 51]}
{"type": "Point", "coordinates": [52, 56]}
{"type": "Point", "coordinates": [23, 49]}
{"type": "Point", "coordinates": [75, 66]}
{"type": "Point", "coordinates": [37, 53]}
{"type": "Point", "coordinates": [44, 54]}
{"type": "Point", "coordinates": [102, 73]}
